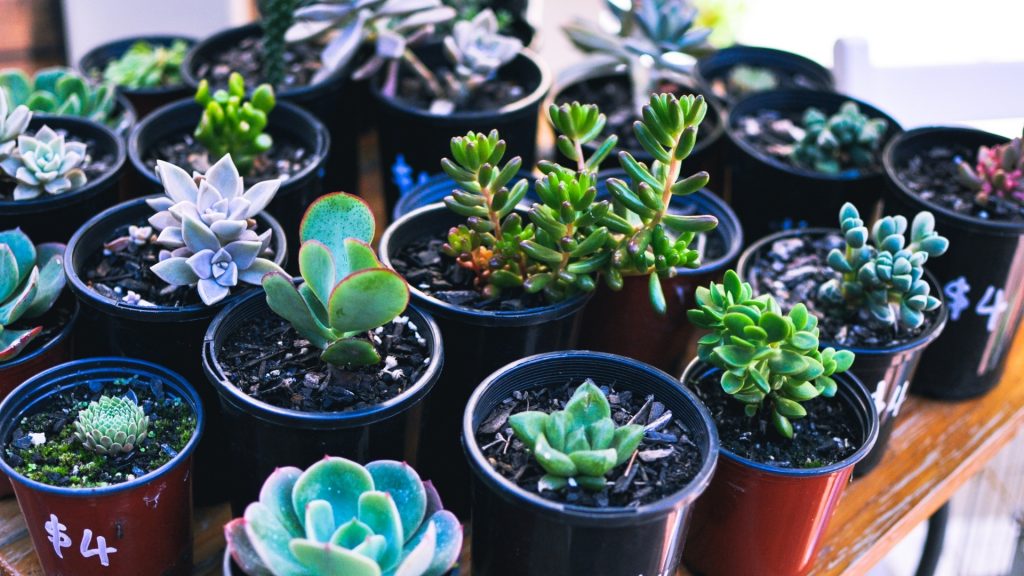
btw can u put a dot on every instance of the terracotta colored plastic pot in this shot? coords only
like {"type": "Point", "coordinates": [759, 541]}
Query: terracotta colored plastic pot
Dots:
{"type": "Point", "coordinates": [476, 342]}
{"type": "Point", "coordinates": [50, 218]}
{"type": "Point", "coordinates": [262, 437]}
{"type": "Point", "coordinates": [148, 520]}
{"type": "Point", "coordinates": [981, 276]}
{"type": "Point", "coordinates": [769, 194]}
{"type": "Point", "coordinates": [802, 73]}
{"type": "Point", "coordinates": [519, 533]}
{"type": "Point", "coordinates": [169, 336]}
{"type": "Point", "coordinates": [779, 514]}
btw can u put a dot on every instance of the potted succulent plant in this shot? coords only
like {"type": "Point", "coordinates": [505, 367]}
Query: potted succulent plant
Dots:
{"type": "Point", "coordinates": [338, 363]}
{"type": "Point", "coordinates": [561, 443]}
{"type": "Point", "coordinates": [792, 424]}
{"type": "Point", "coordinates": [339, 517]}
{"type": "Point", "coordinates": [35, 320]}
{"type": "Point", "coordinates": [653, 51]}
{"type": "Point", "coordinates": [871, 292]}
{"type": "Point", "coordinates": [737, 71]}
{"type": "Point", "coordinates": [52, 168]}
{"type": "Point", "coordinates": [100, 454]}
{"type": "Point", "coordinates": [972, 181]}
{"type": "Point", "coordinates": [151, 273]}
{"type": "Point", "coordinates": [816, 150]}
{"type": "Point", "coordinates": [265, 138]}
{"type": "Point", "coordinates": [64, 92]}
{"type": "Point", "coordinates": [146, 69]}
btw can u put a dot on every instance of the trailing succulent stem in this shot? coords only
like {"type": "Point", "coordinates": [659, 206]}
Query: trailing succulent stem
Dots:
{"type": "Point", "coordinates": [232, 125]}
{"type": "Point", "coordinates": [770, 361]}
{"type": "Point", "coordinates": [847, 139]}
{"type": "Point", "coordinates": [277, 16]}
{"type": "Point", "coordinates": [882, 273]}
{"type": "Point", "coordinates": [999, 172]}
{"type": "Point", "coordinates": [31, 280]}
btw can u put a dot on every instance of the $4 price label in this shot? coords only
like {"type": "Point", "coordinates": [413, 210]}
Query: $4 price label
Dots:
{"type": "Point", "coordinates": [992, 302]}
{"type": "Point", "coordinates": [60, 539]}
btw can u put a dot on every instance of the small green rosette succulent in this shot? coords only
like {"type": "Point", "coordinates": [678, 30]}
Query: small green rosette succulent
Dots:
{"type": "Point", "coordinates": [111, 425]}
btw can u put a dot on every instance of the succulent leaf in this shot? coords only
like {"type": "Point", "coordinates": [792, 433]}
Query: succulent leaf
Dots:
{"type": "Point", "coordinates": [62, 91]}
{"type": "Point", "coordinates": [31, 280]}
{"type": "Point", "coordinates": [846, 140]}
{"type": "Point", "coordinates": [231, 125]}
{"type": "Point", "coordinates": [998, 172]}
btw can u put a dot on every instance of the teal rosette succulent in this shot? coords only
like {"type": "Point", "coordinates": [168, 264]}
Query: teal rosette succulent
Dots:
{"type": "Point", "coordinates": [45, 163]}
{"type": "Point", "coordinates": [111, 425]}
{"type": "Point", "coordinates": [60, 91]}
{"type": "Point", "coordinates": [341, 518]}
{"type": "Point", "coordinates": [847, 139]}
{"type": "Point", "coordinates": [31, 280]}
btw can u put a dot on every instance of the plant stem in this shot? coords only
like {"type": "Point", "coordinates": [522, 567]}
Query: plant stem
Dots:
{"type": "Point", "coordinates": [423, 72]}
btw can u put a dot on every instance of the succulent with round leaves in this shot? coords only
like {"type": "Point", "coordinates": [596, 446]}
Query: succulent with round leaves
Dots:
{"type": "Point", "coordinates": [45, 164]}
{"type": "Point", "coordinates": [769, 360]}
{"type": "Point", "coordinates": [345, 291]}
{"type": "Point", "coordinates": [579, 445]}
{"type": "Point", "coordinates": [208, 229]}
{"type": "Point", "coordinates": [832, 144]}
{"type": "Point", "coordinates": [232, 125]}
{"type": "Point", "coordinates": [476, 51]}
{"type": "Point", "coordinates": [743, 79]}
{"type": "Point", "coordinates": [999, 172]}
{"type": "Point", "coordinates": [881, 272]}
{"type": "Point", "coordinates": [112, 425]}
{"type": "Point", "coordinates": [31, 280]}
{"type": "Point", "coordinates": [11, 125]}
{"type": "Point", "coordinates": [146, 65]}
{"type": "Point", "coordinates": [341, 518]}
{"type": "Point", "coordinates": [60, 91]}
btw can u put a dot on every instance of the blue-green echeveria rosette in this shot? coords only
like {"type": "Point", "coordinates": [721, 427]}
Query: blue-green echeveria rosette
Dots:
{"type": "Point", "coordinates": [31, 280]}
{"type": "Point", "coordinates": [45, 164]}
{"type": "Point", "coordinates": [341, 518]}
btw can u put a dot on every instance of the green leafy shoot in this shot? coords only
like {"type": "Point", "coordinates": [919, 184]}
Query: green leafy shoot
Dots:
{"type": "Point", "coordinates": [232, 125]}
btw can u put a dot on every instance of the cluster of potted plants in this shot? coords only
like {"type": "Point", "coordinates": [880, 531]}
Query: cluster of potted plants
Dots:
{"type": "Point", "coordinates": [683, 329]}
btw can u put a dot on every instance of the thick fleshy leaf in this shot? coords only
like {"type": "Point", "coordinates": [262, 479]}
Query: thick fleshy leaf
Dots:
{"type": "Point", "coordinates": [223, 176]}
{"type": "Point", "coordinates": [351, 534]}
{"type": "Point", "coordinates": [336, 480]}
{"type": "Point", "coordinates": [372, 547]}
{"type": "Point", "coordinates": [51, 283]}
{"type": "Point", "coordinates": [243, 253]}
{"type": "Point", "coordinates": [416, 559]}
{"type": "Point", "coordinates": [175, 271]}
{"type": "Point", "coordinates": [198, 237]}
{"type": "Point", "coordinates": [211, 291]}
{"type": "Point", "coordinates": [340, 50]}
{"type": "Point", "coordinates": [786, 362]}
{"type": "Point", "coordinates": [9, 275]}
{"type": "Point", "coordinates": [553, 461]}
{"type": "Point", "coordinates": [276, 495]}
{"type": "Point", "coordinates": [406, 488]}
{"type": "Point", "coordinates": [258, 270]}
{"type": "Point", "coordinates": [449, 542]}
{"type": "Point", "coordinates": [15, 306]}
{"type": "Point", "coordinates": [286, 302]}
{"type": "Point", "coordinates": [625, 442]}
{"type": "Point", "coordinates": [317, 268]}
{"type": "Point", "coordinates": [178, 184]}
{"type": "Point", "coordinates": [333, 218]}
{"type": "Point", "coordinates": [360, 257]}
{"type": "Point", "coordinates": [594, 462]}
{"type": "Point", "coordinates": [331, 559]}
{"type": "Point", "coordinates": [228, 230]}
{"type": "Point", "coordinates": [379, 512]}
{"type": "Point", "coordinates": [12, 342]}
{"type": "Point", "coordinates": [588, 404]}
{"type": "Point", "coordinates": [528, 426]}
{"type": "Point", "coordinates": [260, 195]}
{"type": "Point", "coordinates": [241, 549]}
{"type": "Point", "coordinates": [366, 300]}
{"type": "Point", "coordinates": [319, 521]}
{"type": "Point", "coordinates": [24, 254]}
{"type": "Point", "coordinates": [270, 539]}
{"type": "Point", "coordinates": [350, 352]}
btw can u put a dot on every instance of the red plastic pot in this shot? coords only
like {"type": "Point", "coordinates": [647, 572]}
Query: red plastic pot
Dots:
{"type": "Point", "coordinates": [756, 519]}
{"type": "Point", "coordinates": [145, 524]}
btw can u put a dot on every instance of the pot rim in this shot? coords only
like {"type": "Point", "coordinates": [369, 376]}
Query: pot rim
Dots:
{"type": "Point", "coordinates": [86, 367]}
{"type": "Point", "coordinates": [114, 142]}
{"type": "Point", "coordinates": [786, 61]}
{"type": "Point", "coordinates": [769, 99]}
{"type": "Point", "coordinates": [529, 316]}
{"type": "Point", "coordinates": [149, 313]}
{"type": "Point", "coordinates": [57, 338]}
{"type": "Point", "coordinates": [583, 514]}
{"type": "Point", "coordinates": [321, 137]}
{"type": "Point", "coordinates": [115, 45]}
{"type": "Point", "coordinates": [889, 167]}
{"type": "Point", "coordinates": [289, 417]}
{"type": "Point", "coordinates": [526, 101]}
{"type": "Point", "coordinates": [854, 386]}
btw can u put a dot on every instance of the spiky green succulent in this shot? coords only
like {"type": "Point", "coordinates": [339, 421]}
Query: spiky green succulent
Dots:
{"type": "Point", "coordinates": [346, 291]}
{"type": "Point", "coordinates": [998, 171]}
{"type": "Point", "coordinates": [769, 360]}
{"type": "Point", "coordinates": [276, 17]}
{"type": "Point", "coordinates": [111, 425]}
{"type": "Point", "coordinates": [31, 280]}
{"type": "Point", "coordinates": [881, 272]}
{"type": "Point", "coordinates": [45, 163]}
{"type": "Point", "coordinates": [232, 125]}
{"type": "Point", "coordinates": [61, 91]}
{"type": "Point", "coordinates": [338, 518]}
{"type": "Point", "coordinates": [743, 79]}
{"type": "Point", "coordinates": [146, 65]}
{"type": "Point", "coordinates": [848, 139]}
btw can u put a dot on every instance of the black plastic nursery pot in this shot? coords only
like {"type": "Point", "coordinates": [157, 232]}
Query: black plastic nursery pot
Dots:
{"type": "Point", "coordinates": [332, 101]}
{"type": "Point", "coordinates": [794, 71]}
{"type": "Point", "coordinates": [295, 194]}
{"type": "Point", "coordinates": [50, 218]}
{"type": "Point", "coordinates": [145, 523]}
{"type": "Point", "coordinates": [888, 373]}
{"type": "Point", "coordinates": [476, 342]}
{"type": "Point", "coordinates": [168, 336]}
{"type": "Point", "coordinates": [519, 533]}
{"type": "Point", "coordinates": [779, 514]}
{"type": "Point", "coordinates": [261, 437]}
{"type": "Point", "coordinates": [144, 100]}
{"type": "Point", "coordinates": [413, 140]}
{"type": "Point", "coordinates": [980, 274]}
{"type": "Point", "coordinates": [769, 194]}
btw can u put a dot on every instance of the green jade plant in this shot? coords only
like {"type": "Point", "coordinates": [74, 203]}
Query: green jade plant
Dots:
{"type": "Point", "coordinates": [998, 172]}
{"type": "Point", "coordinates": [346, 291]}
{"type": "Point", "coordinates": [831, 144]}
{"type": "Point", "coordinates": [60, 91]}
{"type": "Point", "coordinates": [111, 425]}
{"type": "Point", "coordinates": [881, 273]}
{"type": "Point", "coordinates": [31, 280]}
{"type": "Point", "coordinates": [145, 65]}
{"type": "Point", "coordinates": [770, 361]}
{"type": "Point", "coordinates": [341, 518]}
{"type": "Point", "coordinates": [232, 125]}
{"type": "Point", "coordinates": [580, 445]}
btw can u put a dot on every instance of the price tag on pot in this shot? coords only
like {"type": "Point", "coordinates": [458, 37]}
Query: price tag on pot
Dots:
{"type": "Point", "coordinates": [56, 534]}
{"type": "Point", "coordinates": [881, 397]}
{"type": "Point", "coordinates": [992, 302]}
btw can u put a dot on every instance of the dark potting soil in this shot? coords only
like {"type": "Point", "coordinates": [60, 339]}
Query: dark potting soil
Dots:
{"type": "Point", "coordinates": [53, 321]}
{"type": "Point", "coordinates": [43, 447]}
{"type": "Point", "coordinates": [285, 158]}
{"type": "Point", "coordinates": [776, 133]}
{"type": "Point", "coordinates": [95, 165]}
{"type": "Point", "coordinates": [785, 81]}
{"type": "Point", "coordinates": [613, 96]}
{"type": "Point", "coordinates": [828, 434]}
{"type": "Point", "coordinates": [492, 95]}
{"type": "Point", "coordinates": [302, 62]}
{"type": "Point", "coordinates": [793, 269]}
{"type": "Point", "coordinates": [932, 176]}
{"type": "Point", "coordinates": [666, 461]}
{"type": "Point", "coordinates": [272, 363]}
